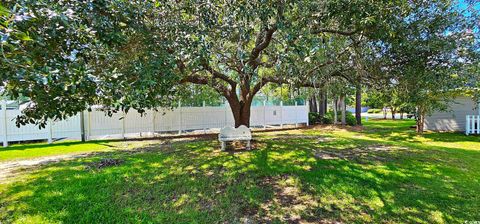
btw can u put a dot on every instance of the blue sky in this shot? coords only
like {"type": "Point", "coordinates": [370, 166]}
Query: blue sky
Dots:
{"type": "Point", "coordinates": [463, 5]}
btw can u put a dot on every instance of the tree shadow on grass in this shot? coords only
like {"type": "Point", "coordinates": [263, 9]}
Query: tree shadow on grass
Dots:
{"type": "Point", "coordinates": [197, 183]}
{"type": "Point", "coordinates": [451, 137]}
{"type": "Point", "coordinates": [398, 130]}
{"type": "Point", "coordinates": [413, 186]}
{"type": "Point", "coordinates": [283, 181]}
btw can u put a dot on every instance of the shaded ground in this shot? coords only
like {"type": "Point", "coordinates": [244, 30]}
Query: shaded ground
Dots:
{"type": "Point", "coordinates": [382, 173]}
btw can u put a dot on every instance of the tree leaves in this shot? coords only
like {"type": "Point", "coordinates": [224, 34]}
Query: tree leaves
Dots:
{"type": "Point", "coordinates": [67, 55]}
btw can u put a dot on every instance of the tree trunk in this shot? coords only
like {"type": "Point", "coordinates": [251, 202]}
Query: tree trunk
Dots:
{"type": "Point", "coordinates": [384, 113]}
{"type": "Point", "coordinates": [394, 111]}
{"type": "Point", "coordinates": [401, 115]}
{"type": "Point", "coordinates": [313, 104]}
{"type": "Point", "coordinates": [420, 120]}
{"type": "Point", "coordinates": [241, 111]}
{"type": "Point", "coordinates": [321, 104]}
{"type": "Point", "coordinates": [343, 108]}
{"type": "Point", "coordinates": [335, 119]}
{"type": "Point", "coordinates": [358, 104]}
{"type": "Point", "coordinates": [325, 102]}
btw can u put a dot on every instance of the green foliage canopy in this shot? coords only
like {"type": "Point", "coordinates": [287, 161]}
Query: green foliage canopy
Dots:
{"type": "Point", "coordinates": [67, 55]}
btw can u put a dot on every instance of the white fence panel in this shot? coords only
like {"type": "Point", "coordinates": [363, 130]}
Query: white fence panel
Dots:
{"type": "Point", "coordinates": [472, 124]}
{"type": "Point", "coordinates": [120, 125]}
{"type": "Point", "coordinates": [99, 124]}
{"type": "Point", "coordinates": [165, 120]}
{"type": "Point", "coordinates": [302, 114]}
{"type": "Point", "coordinates": [289, 114]}
{"type": "Point", "coordinates": [138, 123]}
{"type": "Point", "coordinates": [69, 128]}
{"type": "Point", "coordinates": [257, 117]}
{"type": "Point", "coordinates": [26, 132]}
{"type": "Point", "coordinates": [273, 115]}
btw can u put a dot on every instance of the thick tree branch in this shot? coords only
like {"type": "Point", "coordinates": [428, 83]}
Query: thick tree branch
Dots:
{"type": "Point", "coordinates": [263, 40]}
{"type": "Point", "coordinates": [219, 75]}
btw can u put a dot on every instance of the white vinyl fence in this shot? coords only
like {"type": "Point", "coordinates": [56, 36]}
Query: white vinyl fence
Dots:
{"type": "Point", "coordinates": [472, 124]}
{"type": "Point", "coordinates": [179, 120]}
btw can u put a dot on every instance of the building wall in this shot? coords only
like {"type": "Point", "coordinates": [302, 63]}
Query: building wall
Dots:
{"type": "Point", "coordinates": [454, 119]}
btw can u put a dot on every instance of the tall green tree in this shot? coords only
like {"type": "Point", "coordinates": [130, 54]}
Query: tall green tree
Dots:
{"type": "Point", "coordinates": [429, 58]}
{"type": "Point", "coordinates": [66, 55]}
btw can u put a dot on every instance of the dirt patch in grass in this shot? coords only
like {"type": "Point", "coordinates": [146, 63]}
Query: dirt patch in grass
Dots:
{"type": "Point", "coordinates": [325, 139]}
{"type": "Point", "coordinates": [370, 153]}
{"type": "Point", "coordinates": [289, 204]}
{"type": "Point", "coordinates": [103, 163]}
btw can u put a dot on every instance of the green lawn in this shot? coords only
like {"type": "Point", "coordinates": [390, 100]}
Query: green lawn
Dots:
{"type": "Point", "coordinates": [384, 173]}
{"type": "Point", "coordinates": [30, 151]}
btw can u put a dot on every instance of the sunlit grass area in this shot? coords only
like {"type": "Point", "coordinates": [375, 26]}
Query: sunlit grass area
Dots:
{"type": "Point", "coordinates": [29, 151]}
{"type": "Point", "coordinates": [382, 173]}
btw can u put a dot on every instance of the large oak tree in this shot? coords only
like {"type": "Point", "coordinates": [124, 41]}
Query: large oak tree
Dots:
{"type": "Point", "coordinates": [67, 55]}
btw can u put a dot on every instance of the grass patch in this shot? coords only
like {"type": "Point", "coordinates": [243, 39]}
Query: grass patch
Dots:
{"type": "Point", "coordinates": [384, 173]}
{"type": "Point", "coordinates": [29, 151]}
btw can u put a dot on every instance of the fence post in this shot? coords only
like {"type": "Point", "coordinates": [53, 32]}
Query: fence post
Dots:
{"type": "Point", "coordinates": [308, 112]}
{"type": "Point", "coordinates": [467, 128]}
{"type": "Point", "coordinates": [204, 112]}
{"type": "Point", "coordinates": [296, 111]}
{"type": "Point", "coordinates": [50, 139]}
{"type": "Point", "coordinates": [4, 113]}
{"type": "Point", "coordinates": [123, 124]}
{"type": "Point", "coordinates": [264, 114]}
{"type": "Point", "coordinates": [154, 114]}
{"type": "Point", "coordinates": [478, 124]}
{"type": "Point", "coordinates": [89, 124]}
{"type": "Point", "coordinates": [281, 114]}
{"type": "Point", "coordinates": [180, 117]}
{"type": "Point", "coordinates": [225, 114]}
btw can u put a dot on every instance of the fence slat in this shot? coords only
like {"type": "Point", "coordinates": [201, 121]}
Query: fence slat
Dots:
{"type": "Point", "coordinates": [281, 114]}
{"type": "Point", "coordinates": [50, 131]}
{"type": "Point", "coordinates": [467, 124]}
{"type": "Point", "coordinates": [264, 114]}
{"type": "Point", "coordinates": [180, 117]}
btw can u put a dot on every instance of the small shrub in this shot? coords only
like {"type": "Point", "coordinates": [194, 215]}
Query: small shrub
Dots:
{"type": "Point", "coordinates": [315, 118]}
{"type": "Point", "coordinates": [328, 118]}
{"type": "Point", "coordinates": [349, 118]}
